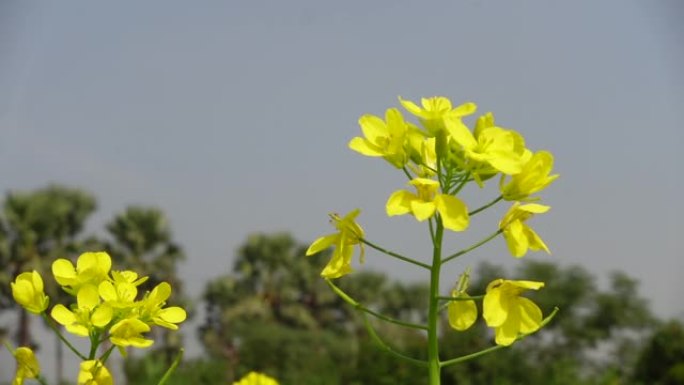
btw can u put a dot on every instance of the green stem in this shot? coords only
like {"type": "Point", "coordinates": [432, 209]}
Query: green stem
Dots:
{"type": "Point", "coordinates": [364, 309]}
{"type": "Point", "coordinates": [408, 174]}
{"type": "Point", "coordinates": [488, 205]}
{"type": "Point", "coordinates": [498, 347]}
{"type": "Point", "coordinates": [106, 354]}
{"type": "Point", "coordinates": [473, 247]}
{"type": "Point", "coordinates": [94, 344]}
{"type": "Point", "coordinates": [171, 368]}
{"type": "Point", "coordinates": [433, 309]}
{"type": "Point", "coordinates": [386, 347]}
{"type": "Point", "coordinates": [54, 327]}
{"type": "Point", "coordinates": [395, 255]}
{"type": "Point", "coordinates": [462, 183]}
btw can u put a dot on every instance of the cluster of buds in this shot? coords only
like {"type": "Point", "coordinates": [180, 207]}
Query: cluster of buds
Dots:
{"type": "Point", "coordinates": [107, 308]}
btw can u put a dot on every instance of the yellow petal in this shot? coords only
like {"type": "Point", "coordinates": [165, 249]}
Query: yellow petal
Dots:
{"type": "Point", "coordinates": [494, 310]}
{"type": "Point", "coordinates": [364, 147]}
{"type": "Point", "coordinates": [101, 316]}
{"type": "Point", "coordinates": [399, 203]}
{"type": "Point", "coordinates": [462, 314]}
{"type": "Point", "coordinates": [373, 127]}
{"type": "Point", "coordinates": [453, 211]}
{"type": "Point", "coordinates": [63, 315]}
{"type": "Point", "coordinates": [530, 315]}
{"type": "Point", "coordinates": [173, 314]}
{"type": "Point", "coordinates": [516, 239]}
{"type": "Point", "coordinates": [322, 243]}
{"type": "Point", "coordinates": [422, 210]}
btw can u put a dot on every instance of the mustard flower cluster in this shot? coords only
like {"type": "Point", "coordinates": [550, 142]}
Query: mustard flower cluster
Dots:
{"type": "Point", "coordinates": [440, 154]}
{"type": "Point", "coordinates": [107, 307]}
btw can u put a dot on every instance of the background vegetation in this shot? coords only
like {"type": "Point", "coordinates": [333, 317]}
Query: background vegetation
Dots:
{"type": "Point", "coordinates": [273, 313]}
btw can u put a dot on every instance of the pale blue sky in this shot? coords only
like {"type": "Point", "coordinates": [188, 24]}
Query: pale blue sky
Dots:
{"type": "Point", "coordinates": [233, 117]}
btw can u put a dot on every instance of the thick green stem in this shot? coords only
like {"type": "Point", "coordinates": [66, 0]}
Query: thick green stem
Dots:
{"type": "Point", "coordinates": [433, 310]}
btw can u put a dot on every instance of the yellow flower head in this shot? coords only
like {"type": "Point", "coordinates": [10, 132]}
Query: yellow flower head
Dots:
{"type": "Point", "coordinates": [27, 365]}
{"type": "Point", "coordinates": [27, 290]}
{"type": "Point", "coordinates": [489, 150]}
{"type": "Point", "coordinates": [254, 378]}
{"type": "Point", "coordinates": [508, 313]}
{"type": "Point", "coordinates": [385, 139]}
{"type": "Point", "coordinates": [462, 311]}
{"type": "Point", "coordinates": [93, 372]}
{"type": "Point", "coordinates": [434, 110]}
{"type": "Point", "coordinates": [91, 269]}
{"type": "Point", "coordinates": [349, 233]}
{"type": "Point", "coordinates": [426, 202]}
{"type": "Point", "coordinates": [88, 314]}
{"type": "Point", "coordinates": [533, 178]}
{"type": "Point", "coordinates": [128, 332]}
{"type": "Point", "coordinates": [152, 308]}
{"type": "Point", "coordinates": [520, 237]}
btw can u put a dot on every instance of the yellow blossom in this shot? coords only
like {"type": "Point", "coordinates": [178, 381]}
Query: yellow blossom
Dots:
{"type": "Point", "coordinates": [434, 110]}
{"type": "Point", "coordinates": [462, 311]}
{"type": "Point", "coordinates": [508, 313]}
{"type": "Point", "coordinates": [254, 378]}
{"type": "Point", "coordinates": [383, 138]}
{"type": "Point", "coordinates": [152, 308]}
{"type": "Point", "coordinates": [349, 233]}
{"type": "Point", "coordinates": [93, 372]}
{"type": "Point", "coordinates": [91, 269]}
{"type": "Point", "coordinates": [27, 290]}
{"type": "Point", "coordinates": [426, 202]}
{"type": "Point", "coordinates": [27, 365]}
{"type": "Point", "coordinates": [128, 332]}
{"type": "Point", "coordinates": [533, 177]}
{"type": "Point", "coordinates": [88, 314]}
{"type": "Point", "coordinates": [489, 150]}
{"type": "Point", "coordinates": [520, 237]}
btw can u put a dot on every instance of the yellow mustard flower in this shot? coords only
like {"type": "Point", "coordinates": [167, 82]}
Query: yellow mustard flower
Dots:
{"type": "Point", "coordinates": [152, 308]}
{"type": "Point", "coordinates": [520, 237]}
{"type": "Point", "coordinates": [28, 291]}
{"type": "Point", "coordinates": [349, 233]}
{"type": "Point", "coordinates": [462, 312]}
{"type": "Point", "coordinates": [533, 178]}
{"type": "Point", "coordinates": [254, 378]}
{"type": "Point", "coordinates": [491, 149]}
{"type": "Point", "coordinates": [88, 314]}
{"type": "Point", "coordinates": [434, 110]}
{"type": "Point", "coordinates": [93, 372]}
{"type": "Point", "coordinates": [27, 365]}
{"type": "Point", "coordinates": [119, 295]}
{"type": "Point", "coordinates": [508, 313]}
{"type": "Point", "coordinates": [128, 332]}
{"type": "Point", "coordinates": [383, 138]}
{"type": "Point", "coordinates": [91, 269]}
{"type": "Point", "coordinates": [128, 276]}
{"type": "Point", "coordinates": [426, 202]}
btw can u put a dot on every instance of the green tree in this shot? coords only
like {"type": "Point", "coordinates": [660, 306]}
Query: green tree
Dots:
{"type": "Point", "coordinates": [661, 362]}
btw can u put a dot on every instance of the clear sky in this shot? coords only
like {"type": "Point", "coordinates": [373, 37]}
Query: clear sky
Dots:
{"type": "Point", "coordinates": [234, 117]}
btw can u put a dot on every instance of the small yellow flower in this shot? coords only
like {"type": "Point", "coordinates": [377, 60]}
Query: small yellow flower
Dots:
{"type": "Point", "coordinates": [533, 178]}
{"type": "Point", "coordinates": [383, 138]}
{"type": "Point", "coordinates": [27, 365]}
{"type": "Point", "coordinates": [349, 234]}
{"type": "Point", "coordinates": [93, 372]}
{"type": "Point", "coordinates": [89, 313]}
{"type": "Point", "coordinates": [434, 110]}
{"type": "Point", "coordinates": [462, 312]}
{"type": "Point", "coordinates": [91, 269]}
{"type": "Point", "coordinates": [27, 290]}
{"type": "Point", "coordinates": [152, 308]}
{"type": "Point", "coordinates": [490, 149]}
{"type": "Point", "coordinates": [508, 313]}
{"type": "Point", "coordinates": [254, 378]}
{"type": "Point", "coordinates": [520, 237]}
{"type": "Point", "coordinates": [426, 202]}
{"type": "Point", "coordinates": [128, 332]}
